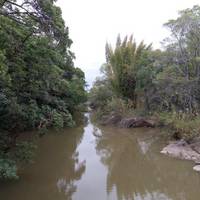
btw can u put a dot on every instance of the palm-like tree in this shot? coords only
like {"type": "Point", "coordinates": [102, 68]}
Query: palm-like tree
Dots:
{"type": "Point", "coordinates": [123, 64]}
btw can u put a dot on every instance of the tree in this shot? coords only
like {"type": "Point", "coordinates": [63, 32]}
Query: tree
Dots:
{"type": "Point", "coordinates": [125, 64]}
{"type": "Point", "coordinates": [185, 42]}
{"type": "Point", "coordinates": [39, 86]}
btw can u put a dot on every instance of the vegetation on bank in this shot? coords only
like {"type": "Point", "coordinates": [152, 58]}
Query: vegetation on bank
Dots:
{"type": "Point", "coordinates": [139, 80]}
{"type": "Point", "coordinates": [39, 86]}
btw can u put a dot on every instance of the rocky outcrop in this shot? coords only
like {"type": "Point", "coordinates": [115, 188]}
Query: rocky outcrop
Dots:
{"type": "Point", "coordinates": [132, 122]}
{"type": "Point", "coordinates": [183, 150]}
{"type": "Point", "coordinates": [135, 123]}
{"type": "Point", "coordinates": [195, 144]}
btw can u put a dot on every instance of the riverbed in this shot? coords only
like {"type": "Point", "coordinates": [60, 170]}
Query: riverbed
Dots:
{"type": "Point", "coordinates": [92, 162]}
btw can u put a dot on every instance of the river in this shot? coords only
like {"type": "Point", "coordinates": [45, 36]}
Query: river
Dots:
{"type": "Point", "coordinates": [103, 163]}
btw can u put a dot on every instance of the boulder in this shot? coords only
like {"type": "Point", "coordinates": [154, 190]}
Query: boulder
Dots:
{"type": "Point", "coordinates": [136, 122]}
{"type": "Point", "coordinates": [127, 122]}
{"type": "Point", "coordinates": [195, 144]}
{"type": "Point", "coordinates": [196, 168]}
{"type": "Point", "coordinates": [182, 150]}
{"type": "Point", "coordinates": [196, 147]}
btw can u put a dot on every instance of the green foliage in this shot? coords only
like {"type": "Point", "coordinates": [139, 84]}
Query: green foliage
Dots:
{"type": "Point", "coordinates": [24, 152]}
{"type": "Point", "coordinates": [37, 69]}
{"type": "Point", "coordinates": [184, 44]}
{"type": "Point", "coordinates": [39, 86]}
{"type": "Point", "coordinates": [11, 158]}
{"type": "Point", "coordinates": [100, 94]}
{"type": "Point", "coordinates": [126, 65]}
{"type": "Point", "coordinates": [120, 106]}
{"type": "Point", "coordinates": [57, 119]}
{"type": "Point", "coordinates": [183, 125]}
{"type": "Point", "coordinates": [8, 169]}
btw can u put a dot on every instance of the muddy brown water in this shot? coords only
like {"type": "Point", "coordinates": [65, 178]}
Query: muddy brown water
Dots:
{"type": "Point", "coordinates": [104, 163]}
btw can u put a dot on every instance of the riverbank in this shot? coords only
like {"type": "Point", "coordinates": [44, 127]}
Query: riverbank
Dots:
{"type": "Point", "coordinates": [128, 122]}
{"type": "Point", "coordinates": [128, 163]}
{"type": "Point", "coordinates": [179, 148]}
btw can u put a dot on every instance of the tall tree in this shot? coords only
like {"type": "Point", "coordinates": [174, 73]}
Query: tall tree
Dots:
{"type": "Point", "coordinates": [39, 85]}
{"type": "Point", "coordinates": [124, 64]}
{"type": "Point", "coordinates": [185, 42]}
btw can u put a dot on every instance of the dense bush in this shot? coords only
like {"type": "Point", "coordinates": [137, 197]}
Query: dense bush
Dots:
{"type": "Point", "coordinates": [182, 125]}
{"type": "Point", "coordinates": [39, 86]}
{"type": "Point", "coordinates": [173, 95]}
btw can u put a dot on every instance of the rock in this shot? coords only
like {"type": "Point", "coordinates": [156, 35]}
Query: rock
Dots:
{"type": "Point", "coordinates": [197, 162]}
{"type": "Point", "coordinates": [132, 122]}
{"type": "Point", "coordinates": [136, 122]}
{"type": "Point", "coordinates": [92, 106]}
{"type": "Point", "coordinates": [151, 123]}
{"type": "Point", "coordinates": [196, 168]}
{"type": "Point", "coordinates": [97, 132]}
{"type": "Point", "coordinates": [127, 122]}
{"type": "Point", "coordinates": [195, 145]}
{"type": "Point", "coordinates": [181, 150]}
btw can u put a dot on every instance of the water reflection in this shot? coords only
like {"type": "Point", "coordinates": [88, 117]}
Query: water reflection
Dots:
{"type": "Point", "coordinates": [106, 163]}
{"type": "Point", "coordinates": [55, 171]}
{"type": "Point", "coordinates": [67, 185]}
{"type": "Point", "coordinates": [136, 170]}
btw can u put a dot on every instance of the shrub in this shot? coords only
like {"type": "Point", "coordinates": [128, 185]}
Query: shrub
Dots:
{"type": "Point", "coordinates": [24, 152]}
{"type": "Point", "coordinates": [8, 169]}
{"type": "Point", "coordinates": [183, 125]}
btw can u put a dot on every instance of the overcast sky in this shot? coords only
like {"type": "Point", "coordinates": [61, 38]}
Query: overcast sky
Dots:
{"type": "Point", "coordinates": [93, 22]}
